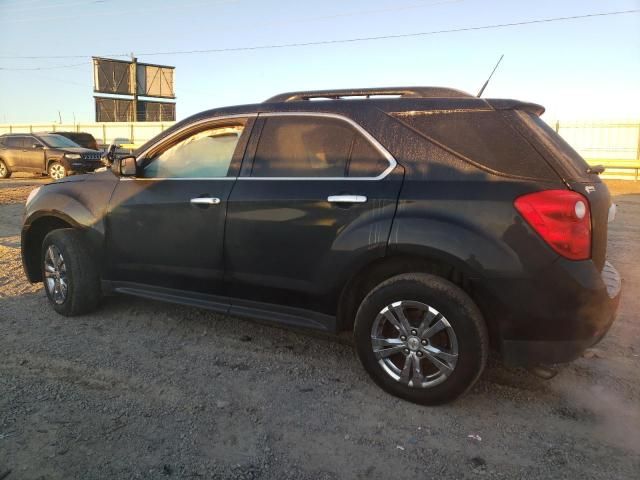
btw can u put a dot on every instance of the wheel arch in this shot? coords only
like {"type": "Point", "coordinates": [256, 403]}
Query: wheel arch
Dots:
{"type": "Point", "coordinates": [49, 161]}
{"type": "Point", "coordinates": [33, 236]}
{"type": "Point", "coordinates": [5, 164]}
{"type": "Point", "coordinates": [437, 263]}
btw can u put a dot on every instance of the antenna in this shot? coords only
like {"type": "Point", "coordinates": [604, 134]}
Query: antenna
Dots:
{"type": "Point", "coordinates": [492, 72]}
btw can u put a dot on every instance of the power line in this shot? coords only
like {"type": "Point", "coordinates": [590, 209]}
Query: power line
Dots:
{"type": "Point", "coordinates": [341, 41]}
{"type": "Point", "coordinates": [387, 37]}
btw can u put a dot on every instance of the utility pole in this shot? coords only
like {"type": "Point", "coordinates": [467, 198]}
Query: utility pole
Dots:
{"type": "Point", "coordinates": [134, 83]}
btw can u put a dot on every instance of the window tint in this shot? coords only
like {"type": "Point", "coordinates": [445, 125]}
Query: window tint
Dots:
{"type": "Point", "coordinates": [574, 165]}
{"type": "Point", "coordinates": [293, 146]}
{"type": "Point", "coordinates": [206, 154]}
{"type": "Point", "coordinates": [366, 160]}
{"type": "Point", "coordinates": [484, 138]}
{"type": "Point", "coordinates": [14, 142]}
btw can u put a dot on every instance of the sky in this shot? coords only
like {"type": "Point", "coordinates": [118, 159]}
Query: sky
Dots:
{"type": "Point", "coordinates": [584, 69]}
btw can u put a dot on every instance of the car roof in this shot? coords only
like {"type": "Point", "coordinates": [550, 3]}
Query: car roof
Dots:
{"type": "Point", "coordinates": [348, 102]}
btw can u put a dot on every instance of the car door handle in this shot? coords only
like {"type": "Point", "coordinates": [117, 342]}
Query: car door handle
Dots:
{"type": "Point", "coordinates": [347, 198]}
{"type": "Point", "coordinates": [205, 201]}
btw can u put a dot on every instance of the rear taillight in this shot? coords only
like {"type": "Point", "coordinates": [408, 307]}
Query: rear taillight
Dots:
{"type": "Point", "coordinates": [562, 218]}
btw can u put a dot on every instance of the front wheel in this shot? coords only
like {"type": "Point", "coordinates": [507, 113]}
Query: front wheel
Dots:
{"type": "Point", "coordinates": [57, 171]}
{"type": "Point", "coordinates": [421, 338]}
{"type": "Point", "coordinates": [4, 170]}
{"type": "Point", "coordinates": [69, 272]}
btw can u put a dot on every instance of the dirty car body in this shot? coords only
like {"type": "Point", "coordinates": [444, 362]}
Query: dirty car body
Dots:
{"type": "Point", "coordinates": [476, 192]}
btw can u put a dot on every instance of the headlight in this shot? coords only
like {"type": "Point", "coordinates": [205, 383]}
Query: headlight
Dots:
{"type": "Point", "coordinates": [32, 194]}
{"type": "Point", "coordinates": [73, 156]}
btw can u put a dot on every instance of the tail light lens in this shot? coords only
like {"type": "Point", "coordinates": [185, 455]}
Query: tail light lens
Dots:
{"type": "Point", "coordinates": [562, 218]}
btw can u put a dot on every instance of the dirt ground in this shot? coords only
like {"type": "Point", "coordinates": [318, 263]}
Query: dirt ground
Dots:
{"type": "Point", "coordinates": [142, 389]}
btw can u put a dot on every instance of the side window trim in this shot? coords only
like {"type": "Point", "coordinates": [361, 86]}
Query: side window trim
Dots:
{"type": "Point", "coordinates": [236, 161]}
{"type": "Point", "coordinates": [366, 135]}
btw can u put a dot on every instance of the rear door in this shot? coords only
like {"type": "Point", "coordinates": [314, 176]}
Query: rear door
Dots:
{"type": "Point", "coordinates": [14, 153]}
{"type": "Point", "coordinates": [165, 227]}
{"type": "Point", "coordinates": [316, 197]}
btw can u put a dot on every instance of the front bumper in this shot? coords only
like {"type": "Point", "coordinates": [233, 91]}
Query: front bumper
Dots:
{"type": "Point", "coordinates": [83, 166]}
{"type": "Point", "coordinates": [574, 312]}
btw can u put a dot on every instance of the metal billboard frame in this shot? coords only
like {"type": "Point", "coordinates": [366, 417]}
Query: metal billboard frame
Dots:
{"type": "Point", "coordinates": [144, 79]}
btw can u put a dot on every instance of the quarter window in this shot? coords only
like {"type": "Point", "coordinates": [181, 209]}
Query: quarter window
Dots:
{"type": "Point", "coordinates": [15, 142]}
{"type": "Point", "coordinates": [206, 154]}
{"type": "Point", "coordinates": [306, 146]}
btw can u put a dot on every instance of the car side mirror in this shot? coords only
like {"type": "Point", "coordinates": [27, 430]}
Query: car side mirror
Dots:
{"type": "Point", "coordinates": [38, 145]}
{"type": "Point", "coordinates": [127, 166]}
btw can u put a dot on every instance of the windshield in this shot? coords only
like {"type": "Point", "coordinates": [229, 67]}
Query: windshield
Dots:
{"type": "Point", "coordinates": [57, 141]}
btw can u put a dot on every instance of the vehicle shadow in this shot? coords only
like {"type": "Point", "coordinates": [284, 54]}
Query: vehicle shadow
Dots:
{"type": "Point", "coordinates": [297, 344]}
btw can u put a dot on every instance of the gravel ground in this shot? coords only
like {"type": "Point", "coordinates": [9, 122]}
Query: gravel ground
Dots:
{"type": "Point", "coordinates": [142, 389]}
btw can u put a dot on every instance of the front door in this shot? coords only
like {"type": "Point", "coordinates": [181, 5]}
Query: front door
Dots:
{"type": "Point", "coordinates": [33, 154]}
{"type": "Point", "coordinates": [319, 199]}
{"type": "Point", "coordinates": [165, 227]}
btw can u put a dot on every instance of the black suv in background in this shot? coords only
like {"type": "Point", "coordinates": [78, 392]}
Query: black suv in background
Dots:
{"type": "Point", "coordinates": [83, 139]}
{"type": "Point", "coordinates": [47, 153]}
{"type": "Point", "coordinates": [431, 223]}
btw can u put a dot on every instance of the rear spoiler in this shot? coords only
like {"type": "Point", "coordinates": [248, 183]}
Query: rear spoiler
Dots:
{"type": "Point", "coordinates": [507, 104]}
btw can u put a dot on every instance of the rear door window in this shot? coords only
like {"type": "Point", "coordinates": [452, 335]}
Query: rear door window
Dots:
{"type": "Point", "coordinates": [366, 160]}
{"type": "Point", "coordinates": [300, 146]}
{"type": "Point", "coordinates": [482, 137]}
{"type": "Point", "coordinates": [15, 142]}
{"type": "Point", "coordinates": [314, 147]}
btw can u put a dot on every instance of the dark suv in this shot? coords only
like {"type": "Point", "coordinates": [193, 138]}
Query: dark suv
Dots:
{"type": "Point", "coordinates": [47, 153]}
{"type": "Point", "coordinates": [83, 139]}
{"type": "Point", "coordinates": [431, 223]}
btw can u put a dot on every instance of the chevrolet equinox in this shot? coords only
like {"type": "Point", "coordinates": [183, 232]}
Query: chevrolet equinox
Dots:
{"type": "Point", "coordinates": [430, 223]}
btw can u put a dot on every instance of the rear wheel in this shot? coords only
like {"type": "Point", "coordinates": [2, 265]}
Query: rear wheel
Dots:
{"type": "Point", "coordinates": [4, 170]}
{"type": "Point", "coordinates": [421, 338]}
{"type": "Point", "coordinates": [57, 171]}
{"type": "Point", "coordinates": [69, 272]}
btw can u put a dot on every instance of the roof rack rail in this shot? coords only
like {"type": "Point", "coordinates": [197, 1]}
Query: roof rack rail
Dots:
{"type": "Point", "coordinates": [410, 92]}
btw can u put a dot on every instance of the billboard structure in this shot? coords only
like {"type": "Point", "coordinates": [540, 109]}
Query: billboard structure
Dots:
{"type": "Point", "coordinates": [118, 84]}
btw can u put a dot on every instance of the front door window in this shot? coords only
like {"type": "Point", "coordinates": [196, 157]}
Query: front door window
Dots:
{"type": "Point", "coordinates": [206, 154]}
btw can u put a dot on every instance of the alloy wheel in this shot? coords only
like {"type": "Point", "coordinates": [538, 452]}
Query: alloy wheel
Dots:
{"type": "Point", "coordinates": [57, 171]}
{"type": "Point", "coordinates": [55, 274]}
{"type": "Point", "coordinates": [414, 344]}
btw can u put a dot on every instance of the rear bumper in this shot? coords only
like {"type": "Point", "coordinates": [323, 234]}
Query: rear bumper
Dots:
{"type": "Point", "coordinates": [531, 353]}
{"type": "Point", "coordinates": [556, 322]}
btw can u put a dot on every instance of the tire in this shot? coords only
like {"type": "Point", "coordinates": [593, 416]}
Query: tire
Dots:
{"type": "Point", "coordinates": [451, 323]}
{"type": "Point", "coordinates": [56, 170]}
{"type": "Point", "coordinates": [77, 290]}
{"type": "Point", "coordinates": [4, 170]}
